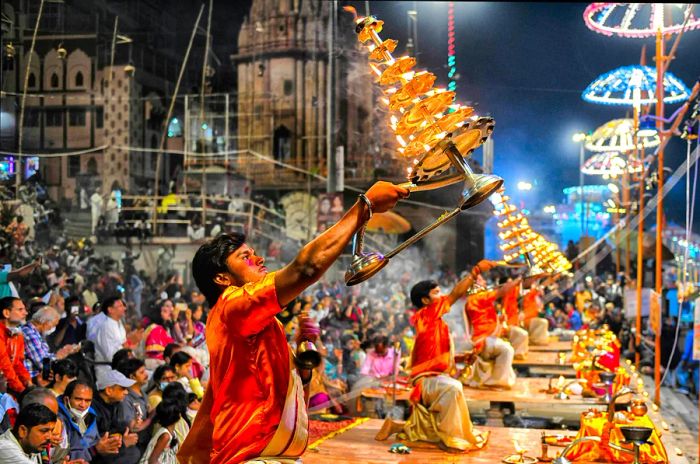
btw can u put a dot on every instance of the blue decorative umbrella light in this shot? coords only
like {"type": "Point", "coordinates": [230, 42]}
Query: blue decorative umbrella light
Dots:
{"type": "Point", "coordinates": [634, 86]}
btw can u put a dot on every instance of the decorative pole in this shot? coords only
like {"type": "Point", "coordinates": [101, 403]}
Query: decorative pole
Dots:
{"type": "Point", "coordinates": [658, 19]}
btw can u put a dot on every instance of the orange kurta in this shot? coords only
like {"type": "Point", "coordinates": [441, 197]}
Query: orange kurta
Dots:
{"type": "Point", "coordinates": [532, 305]}
{"type": "Point", "coordinates": [431, 351]}
{"type": "Point", "coordinates": [249, 377]}
{"type": "Point", "coordinates": [482, 316]}
{"type": "Point", "coordinates": [510, 306]}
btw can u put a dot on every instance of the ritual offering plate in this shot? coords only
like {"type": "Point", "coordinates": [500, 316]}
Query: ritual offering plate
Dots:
{"type": "Point", "coordinates": [558, 440]}
{"type": "Point", "coordinates": [517, 459]}
{"type": "Point", "coordinates": [329, 417]}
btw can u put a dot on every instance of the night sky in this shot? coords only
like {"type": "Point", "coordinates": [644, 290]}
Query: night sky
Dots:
{"type": "Point", "coordinates": [526, 65]}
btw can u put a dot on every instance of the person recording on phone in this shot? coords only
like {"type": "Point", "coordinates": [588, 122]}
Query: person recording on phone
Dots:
{"type": "Point", "coordinates": [71, 329]}
{"type": "Point", "coordinates": [36, 349]}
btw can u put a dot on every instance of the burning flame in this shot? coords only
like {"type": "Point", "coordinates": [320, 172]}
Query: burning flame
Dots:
{"type": "Point", "coordinates": [352, 10]}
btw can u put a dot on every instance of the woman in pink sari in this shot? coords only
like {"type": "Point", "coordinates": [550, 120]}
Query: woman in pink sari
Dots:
{"type": "Point", "coordinates": [158, 333]}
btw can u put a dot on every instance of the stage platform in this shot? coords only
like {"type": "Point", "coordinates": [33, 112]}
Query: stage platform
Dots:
{"type": "Point", "coordinates": [357, 445]}
{"type": "Point", "coordinates": [554, 345]}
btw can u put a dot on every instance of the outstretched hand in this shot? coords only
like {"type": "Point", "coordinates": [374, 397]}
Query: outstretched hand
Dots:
{"type": "Point", "coordinates": [384, 195]}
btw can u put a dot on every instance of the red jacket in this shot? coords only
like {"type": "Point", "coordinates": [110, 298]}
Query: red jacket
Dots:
{"type": "Point", "coordinates": [12, 359]}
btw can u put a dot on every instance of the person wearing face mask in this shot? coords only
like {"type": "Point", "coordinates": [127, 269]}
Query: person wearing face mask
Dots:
{"type": "Point", "coordinates": [12, 316]}
{"type": "Point", "coordinates": [80, 422]}
{"type": "Point", "coordinates": [162, 377]}
{"type": "Point", "coordinates": [36, 350]}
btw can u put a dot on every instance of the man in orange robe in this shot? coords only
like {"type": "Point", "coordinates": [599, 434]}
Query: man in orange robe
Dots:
{"type": "Point", "coordinates": [537, 327]}
{"type": "Point", "coordinates": [254, 405]}
{"type": "Point", "coordinates": [440, 413]}
{"type": "Point", "coordinates": [494, 366]}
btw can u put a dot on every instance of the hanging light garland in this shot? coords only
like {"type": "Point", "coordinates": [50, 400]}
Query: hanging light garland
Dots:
{"type": "Point", "coordinates": [451, 56]}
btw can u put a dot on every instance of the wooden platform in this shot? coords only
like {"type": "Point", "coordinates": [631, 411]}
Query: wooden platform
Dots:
{"type": "Point", "coordinates": [554, 345]}
{"type": "Point", "coordinates": [525, 390]}
{"type": "Point", "coordinates": [358, 445]}
{"type": "Point", "coordinates": [542, 359]}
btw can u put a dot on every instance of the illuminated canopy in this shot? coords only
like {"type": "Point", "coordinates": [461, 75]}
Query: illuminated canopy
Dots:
{"type": "Point", "coordinates": [610, 164]}
{"type": "Point", "coordinates": [634, 85]}
{"type": "Point", "coordinates": [638, 20]}
{"type": "Point", "coordinates": [617, 136]}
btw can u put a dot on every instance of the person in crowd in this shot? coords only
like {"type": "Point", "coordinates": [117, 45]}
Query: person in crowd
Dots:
{"type": "Point", "coordinates": [193, 406]}
{"type": "Point", "coordinates": [59, 448]}
{"type": "Point", "coordinates": [18, 230]}
{"type": "Point", "coordinates": [71, 329]}
{"type": "Point", "coordinates": [36, 349]}
{"type": "Point", "coordinates": [517, 336]}
{"type": "Point", "coordinates": [64, 372]}
{"type": "Point", "coordinates": [181, 363]}
{"type": "Point", "coordinates": [440, 411]}
{"type": "Point", "coordinates": [7, 277]}
{"type": "Point", "coordinates": [80, 422]}
{"type": "Point", "coordinates": [12, 315]}
{"type": "Point", "coordinates": [112, 388]}
{"type": "Point", "coordinates": [120, 356]}
{"type": "Point", "coordinates": [164, 445]}
{"type": "Point", "coordinates": [533, 312]}
{"type": "Point", "coordinates": [110, 335]}
{"type": "Point", "coordinates": [29, 437]}
{"type": "Point", "coordinates": [158, 333]}
{"type": "Point", "coordinates": [175, 393]}
{"type": "Point", "coordinates": [162, 377]}
{"type": "Point", "coordinates": [244, 299]}
{"type": "Point", "coordinates": [134, 408]}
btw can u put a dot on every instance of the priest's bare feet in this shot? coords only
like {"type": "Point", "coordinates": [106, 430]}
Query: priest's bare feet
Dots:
{"type": "Point", "coordinates": [389, 427]}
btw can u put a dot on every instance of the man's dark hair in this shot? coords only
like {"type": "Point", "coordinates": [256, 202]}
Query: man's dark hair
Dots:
{"type": "Point", "coordinates": [75, 384]}
{"type": "Point", "coordinates": [210, 259]}
{"type": "Point", "coordinates": [380, 339]}
{"type": "Point", "coordinates": [32, 415]}
{"type": "Point", "coordinates": [109, 302]}
{"type": "Point", "coordinates": [129, 366]}
{"type": "Point", "coordinates": [6, 303]}
{"type": "Point", "coordinates": [160, 372]}
{"type": "Point", "coordinates": [167, 413]}
{"type": "Point", "coordinates": [64, 367]}
{"type": "Point", "coordinates": [179, 358]}
{"type": "Point", "coordinates": [170, 349]}
{"type": "Point", "coordinates": [121, 355]}
{"type": "Point", "coordinates": [422, 290]}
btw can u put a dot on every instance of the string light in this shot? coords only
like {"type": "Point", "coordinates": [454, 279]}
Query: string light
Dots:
{"type": "Point", "coordinates": [637, 20]}
{"type": "Point", "coordinates": [451, 57]}
{"type": "Point", "coordinates": [617, 87]}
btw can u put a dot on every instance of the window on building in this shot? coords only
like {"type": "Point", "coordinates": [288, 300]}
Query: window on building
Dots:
{"type": "Point", "coordinates": [99, 117]}
{"type": "Point", "coordinates": [54, 80]}
{"type": "Point", "coordinates": [31, 82]}
{"type": "Point", "coordinates": [288, 87]}
{"type": "Point", "coordinates": [73, 165]}
{"type": "Point", "coordinates": [54, 118]}
{"type": "Point", "coordinates": [31, 117]}
{"type": "Point", "coordinates": [79, 79]}
{"type": "Point", "coordinates": [76, 117]}
{"type": "Point", "coordinates": [282, 144]}
{"type": "Point", "coordinates": [8, 64]}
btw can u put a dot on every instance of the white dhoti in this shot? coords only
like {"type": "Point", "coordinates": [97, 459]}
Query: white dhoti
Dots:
{"type": "Point", "coordinates": [493, 366]}
{"type": "Point", "coordinates": [518, 338]}
{"type": "Point", "coordinates": [538, 330]}
{"type": "Point", "coordinates": [443, 416]}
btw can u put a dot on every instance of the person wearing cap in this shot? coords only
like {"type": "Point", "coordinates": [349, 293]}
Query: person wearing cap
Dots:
{"type": "Point", "coordinates": [254, 404]}
{"type": "Point", "coordinates": [112, 388]}
{"type": "Point", "coordinates": [440, 413]}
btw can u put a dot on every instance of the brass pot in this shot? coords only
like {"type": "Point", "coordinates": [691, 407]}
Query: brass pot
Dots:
{"type": "Point", "coordinates": [638, 407]}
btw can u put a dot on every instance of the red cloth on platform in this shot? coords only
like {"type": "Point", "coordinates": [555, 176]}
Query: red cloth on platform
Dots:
{"type": "Point", "coordinates": [250, 366]}
{"type": "Point", "coordinates": [482, 316]}
{"type": "Point", "coordinates": [432, 349]}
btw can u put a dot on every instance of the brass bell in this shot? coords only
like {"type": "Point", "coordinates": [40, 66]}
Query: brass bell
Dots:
{"type": "Point", "coordinates": [307, 355]}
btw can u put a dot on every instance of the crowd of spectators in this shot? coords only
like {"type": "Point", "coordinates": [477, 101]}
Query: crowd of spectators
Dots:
{"type": "Point", "coordinates": [100, 362]}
